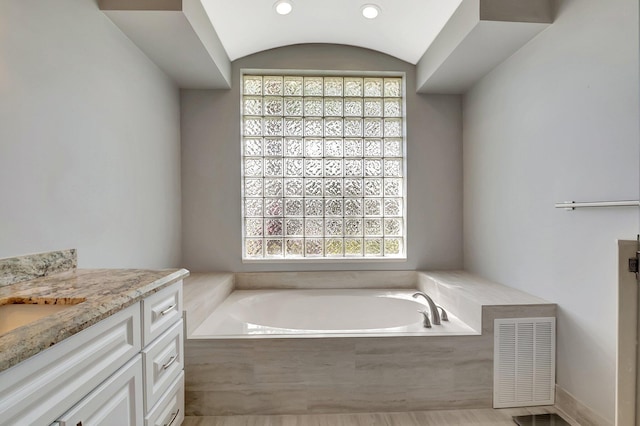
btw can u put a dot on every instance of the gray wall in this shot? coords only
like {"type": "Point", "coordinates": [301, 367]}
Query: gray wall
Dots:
{"type": "Point", "coordinates": [89, 139]}
{"type": "Point", "coordinates": [211, 167]}
{"type": "Point", "coordinates": [559, 121]}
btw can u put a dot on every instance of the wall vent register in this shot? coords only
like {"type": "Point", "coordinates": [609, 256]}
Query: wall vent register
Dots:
{"type": "Point", "coordinates": [323, 167]}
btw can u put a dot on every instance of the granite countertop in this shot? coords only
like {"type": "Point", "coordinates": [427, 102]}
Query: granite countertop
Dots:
{"type": "Point", "coordinates": [103, 292]}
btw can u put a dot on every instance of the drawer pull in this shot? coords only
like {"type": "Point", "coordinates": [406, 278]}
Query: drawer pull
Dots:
{"type": "Point", "coordinates": [173, 419]}
{"type": "Point", "coordinates": [169, 309]}
{"type": "Point", "coordinates": [173, 359]}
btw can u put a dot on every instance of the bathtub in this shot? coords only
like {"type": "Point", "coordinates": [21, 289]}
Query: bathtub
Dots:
{"type": "Point", "coordinates": [322, 313]}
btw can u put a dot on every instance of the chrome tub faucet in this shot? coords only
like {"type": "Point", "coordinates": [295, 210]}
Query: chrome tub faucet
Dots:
{"type": "Point", "coordinates": [435, 314]}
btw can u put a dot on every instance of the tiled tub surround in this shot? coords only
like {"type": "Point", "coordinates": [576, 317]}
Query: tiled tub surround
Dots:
{"type": "Point", "coordinates": [351, 374]}
{"type": "Point", "coordinates": [102, 292]}
{"type": "Point", "coordinates": [28, 267]}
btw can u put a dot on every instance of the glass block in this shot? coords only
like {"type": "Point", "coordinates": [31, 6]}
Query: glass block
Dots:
{"type": "Point", "coordinates": [333, 247]}
{"type": "Point", "coordinates": [252, 126]}
{"type": "Point", "coordinates": [373, 127]}
{"type": "Point", "coordinates": [393, 87]}
{"type": "Point", "coordinates": [273, 227]}
{"type": "Point", "coordinates": [333, 207]}
{"type": "Point", "coordinates": [353, 227]}
{"type": "Point", "coordinates": [253, 147]}
{"type": "Point", "coordinates": [253, 207]}
{"type": "Point", "coordinates": [392, 108]}
{"type": "Point", "coordinates": [273, 187]}
{"type": "Point", "coordinates": [274, 247]}
{"type": "Point", "coordinates": [313, 147]}
{"type": "Point", "coordinates": [253, 227]}
{"type": "Point", "coordinates": [293, 127]}
{"type": "Point", "coordinates": [313, 207]}
{"type": "Point", "coordinates": [393, 206]}
{"type": "Point", "coordinates": [372, 167]}
{"type": "Point", "coordinates": [313, 107]}
{"type": "Point", "coordinates": [273, 86]}
{"type": "Point", "coordinates": [333, 147]}
{"type": "Point", "coordinates": [273, 106]}
{"type": "Point", "coordinates": [393, 147]}
{"type": "Point", "coordinates": [252, 106]}
{"type": "Point", "coordinates": [333, 107]}
{"type": "Point", "coordinates": [253, 248]}
{"type": "Point", "coordinates": [372, 207]}
{"type": "Point", "coordinates": [273, 127]}
{"type": "Point", "coordinates": [353, 148]}
{"type": "Point", "coordinates": [393, 227]}
{"type": "Point", "coordinates": [333, 167]}
{"type": "Point", "coordinates": [373, 87]}
{"type": "Point", "coordinates": [293, 86]}
{"type": "Point", "coordinates": [333, 86]}
{"type": "Point", "coordinates": [252, 167]}
{"type": "Point", "coordinates": [313, 247]}
{"type": "Point", "coordinates": [373, 148]}
{"type": "Point", "coordinates": [253, 187]}
{"type": "Point", "coordinates": [353, 207]}
{"type": "Point", "coordinates": [293, 167]}
{"type": "Point", "coordinates": [353, 247]}
{"type": "Point", "coordinates": [333, 187]}
{"type": "Point", "coordinates": [333, 127]}
{"type": "Point", "coordinates": [373, 187]}
{"type": "Point", "coordinates": [373, 247]}
{"type": "Point", "coordinates": [273, 207]}
{"type": "Point", "coordinates": [294, 227]}
{"type": "Point", "coordinates": [293, 188]}
{"type": "Point", "coordinates": [273, 147]}
{"type": "Point", "coordinates": [273, 167]}
{"type": "Point", "coordinates": [313, 127]}
{"type": "Point", "coordinates": [372, 227]}
{"type": "Point", "coordinates": [313, 86]}
{"type": "Point", "coordinates": [353, 127]}
{"type": "Point", "coordinates": [313, 227]}
{"type": "Point", "coordinates": [352, 86]}
{"type": "Point", "coordinates": [392, 167]}
{"type": "Point", "coordinates": [392, 187]}
{"type": "Point", "coordinates": [353, 187]}
{"type": "Point", "coordinates": [293, 207]}
{"type": "Point", "coordinates": [292, 147]}
{"type": "Point", "coordinates": [392, 128]}
{"type": "Point", "coordinates": [294, 247]}
{"type": "Point", "coordinates": [392, 246]}
{"type": "Point", "coordinates": [373, 107]}
{"type": "Point", "coordinates": [353, 107]}
{"type": "Point", "coordinates": [353, 167]}
{"type": "Point", "coordinates": [312, 167]}
{"type": "Point", "coordinates": [293, 107]}
{"type": "Point", "coordinates": [333, 226]}
{"type": "Point", "coordinates": [252, 85]}
{"type": "Point", "coordinates": [313, 187]}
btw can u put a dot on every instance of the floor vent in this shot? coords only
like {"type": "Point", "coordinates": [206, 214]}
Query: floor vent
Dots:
{"type": "Point", "coordinates": [524, 362]}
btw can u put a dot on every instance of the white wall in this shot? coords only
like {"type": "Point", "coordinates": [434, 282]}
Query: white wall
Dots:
{"type": "Point", "coordinates": [89, 139]}
{"type": "Point", "coordinates": [211, 166]}
{"type": "Point", "coordinates": [559, 121]}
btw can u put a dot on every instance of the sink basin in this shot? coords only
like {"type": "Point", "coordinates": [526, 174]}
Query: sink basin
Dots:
{"type": "Point", "coordinates": [13, 316]}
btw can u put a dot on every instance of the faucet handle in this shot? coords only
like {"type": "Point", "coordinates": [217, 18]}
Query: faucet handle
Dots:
{"type": "Point", "coordinates": [443, 314]}
{"type": "Point", "coordinates": [426, 323]}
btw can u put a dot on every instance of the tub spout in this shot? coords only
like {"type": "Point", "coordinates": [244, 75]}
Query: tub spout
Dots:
{"type": "Point", "coordinates": [435, 315]}
{"type": "Point", "coordinates": [426, 323]}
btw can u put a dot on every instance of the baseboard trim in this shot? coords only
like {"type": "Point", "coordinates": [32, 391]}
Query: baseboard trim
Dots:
{"type": "Point", "coordinates": [567, 404]}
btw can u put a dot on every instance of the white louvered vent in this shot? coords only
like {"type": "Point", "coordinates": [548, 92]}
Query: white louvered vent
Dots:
{"type": "Point", "coordinates": [524, 364]}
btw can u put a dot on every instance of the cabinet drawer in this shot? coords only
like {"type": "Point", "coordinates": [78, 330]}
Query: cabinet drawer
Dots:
{"type": "Point", "coordinates": [116, 401]}
{"type": "Point", "coordinates": [163, 361]}
{"type": "Point", "coordinates": [160, 311]}
{"type": "Point", "coordinates": [41, 388]}
{"type": "Point", "coordinates": [169, 411]}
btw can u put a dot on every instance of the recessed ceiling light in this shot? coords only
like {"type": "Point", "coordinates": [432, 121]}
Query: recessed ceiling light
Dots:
{"type": "Point", "coordinates": [283, 7]}
{"type": "Point", "coordinates": [370, 11]}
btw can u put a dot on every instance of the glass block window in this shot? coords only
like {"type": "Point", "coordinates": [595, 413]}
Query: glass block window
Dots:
{"type": "Point", "coordinates": [323, 167]}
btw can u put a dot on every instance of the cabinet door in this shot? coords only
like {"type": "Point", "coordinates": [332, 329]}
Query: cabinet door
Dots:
{"type": "Point", "coordinates": [116, 402]}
